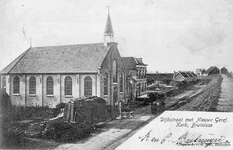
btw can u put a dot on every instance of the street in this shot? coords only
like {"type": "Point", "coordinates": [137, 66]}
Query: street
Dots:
{"type": "Point", "coordinates": [116, 132]}
{"type": "Point", "coordinates": [225, 102]}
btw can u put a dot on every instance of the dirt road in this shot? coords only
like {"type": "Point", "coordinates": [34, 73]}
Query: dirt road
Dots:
{"type": "Point", "coordinates": [109, 136]}
{"type": "Point", "coordinates": [225, 102]}
{"type": "Point", "coordinates": [117, 131]}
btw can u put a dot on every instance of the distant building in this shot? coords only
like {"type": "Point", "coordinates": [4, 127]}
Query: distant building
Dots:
{"type": "Point", "coordinates": [46, 76]}
{"type": "Point", "coordinates": [212, 70]}
{"type": "Point", "coordinates": [164, 78]}
{"type": "Point", "coordinates": [184, 76]}
{"type": "Point", "coordinates": [224, 71]}
{"type": "Point", "coordinates": [199, 72]}
{"type": "Point", "coordinates": [136, 74]}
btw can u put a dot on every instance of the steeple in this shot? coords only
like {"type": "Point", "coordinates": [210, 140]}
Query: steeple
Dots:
{"type": "Point", "coordinates": [108, 33]}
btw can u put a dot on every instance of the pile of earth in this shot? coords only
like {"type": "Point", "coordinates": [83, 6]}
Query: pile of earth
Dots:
{"type": "Point", "coordinates": [87, 113]}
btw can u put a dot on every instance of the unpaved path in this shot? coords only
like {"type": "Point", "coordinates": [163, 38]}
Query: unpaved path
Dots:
{"type": "Point", "coordinates": [113, 131]}
{"type": "Point", "coordinates": [184, 96]}
{"type": "Point", "coordinates": [225, 102]}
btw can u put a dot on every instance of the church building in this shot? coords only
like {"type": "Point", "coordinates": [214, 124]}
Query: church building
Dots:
{"type": "Point", "coordinates": [46, 76]}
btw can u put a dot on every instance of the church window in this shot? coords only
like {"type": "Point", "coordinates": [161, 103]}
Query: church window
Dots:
{"type": "Point", "coordinates": [114, 70]}
{"type": "Point", "coordinates": [87, 86]}
{"type": "Point", "coordinates": [49, 86]}
{"type": "Point", "coordinates": [121, 82]}
{"type": "Point", "coordinates": [106, 84]}
{"type": "Point", "coordinates": [16, 85]}
{"type": "Point", "coordinates": [32, 85]}
{"type": "Point", "coordinates": [68, 85]}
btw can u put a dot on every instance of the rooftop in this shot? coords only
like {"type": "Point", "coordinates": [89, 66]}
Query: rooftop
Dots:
{"type": "Point", "coordinates": [59, 59]}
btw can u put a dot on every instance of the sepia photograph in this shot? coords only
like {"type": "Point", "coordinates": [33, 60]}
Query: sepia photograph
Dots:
{"type": "Point", "coordinates": [116, 75]}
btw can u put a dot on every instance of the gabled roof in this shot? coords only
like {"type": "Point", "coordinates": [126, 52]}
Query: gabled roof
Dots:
{"type": "Point", "coordinates": [139, 62]}
{"type": "Point", "coordinates": [108, 27]}
{"type": "Point", "coordinates": [59, 59]}
{"type": "Point", "coordinates": [211, 69]}
{"type": "Point", "coordinates": [129, 63]}
{"type": "Point", "coordinates": [132, 62]}
{"type": "Point", "coordinates": [13, 63]}
{"type": "Point", "coordinates": [186, 74]}
{"type": "Point", "coordinates": [189, 74]}
{"type": "Point", "coordinates": [194, 75]}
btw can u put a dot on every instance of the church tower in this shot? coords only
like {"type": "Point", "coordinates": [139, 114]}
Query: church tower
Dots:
{"type": "Point", "coordinates": [108, 33]}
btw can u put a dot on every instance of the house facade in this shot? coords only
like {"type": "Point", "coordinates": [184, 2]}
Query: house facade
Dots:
{"type": "Point", "coordinates": [46, 76]}
{"type": "Point", "coordinates": [136, 76]}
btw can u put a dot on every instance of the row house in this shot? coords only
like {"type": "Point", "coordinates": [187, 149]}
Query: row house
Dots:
{"type": "Point", "coordinates": [184, 76]}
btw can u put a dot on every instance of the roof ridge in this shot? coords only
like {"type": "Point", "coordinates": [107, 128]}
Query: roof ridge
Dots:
{"type": "Point", "coordinates": [128, 57]}
{"type": "Point", "coordinates": [67, 45]}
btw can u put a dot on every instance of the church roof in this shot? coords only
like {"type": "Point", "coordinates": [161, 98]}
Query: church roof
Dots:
{"type": "Point", "coordinates": [83, 58]}
{"type": "Point", "coordinates": [108, 27]}
{"type": "Point", "coordinates": [131, 63]}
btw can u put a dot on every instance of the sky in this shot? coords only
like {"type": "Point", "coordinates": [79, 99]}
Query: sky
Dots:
{"type": "Point", "coordinates": [170, 35]}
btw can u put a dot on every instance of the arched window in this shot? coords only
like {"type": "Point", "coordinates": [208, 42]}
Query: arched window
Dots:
{"type": "Point", "coordinates": [106, 84]}
{"type": "Point", "coordinates": [87, 86]}
{"type": "Point", "coordinates": [4, 82]}
{"type": "Point", "coordinates": [32, 85]}
{"type": "Point", "coordinates": [68, 85]}
{"type": "Point", "coordinates": [49, 86]}
{"type": "Point", "coordinates": [114, 70]}
{"type": "Point", "coordinates": [16, 85]}
{"type": "Point", "coordinates": [121, 82]}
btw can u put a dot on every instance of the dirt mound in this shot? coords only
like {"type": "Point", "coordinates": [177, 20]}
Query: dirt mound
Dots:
{"type": "Point", "coordinates": [91, 110]}
{"type": "Point", "coordinates": [208, 99]}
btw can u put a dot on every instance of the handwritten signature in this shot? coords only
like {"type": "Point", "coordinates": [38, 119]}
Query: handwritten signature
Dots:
{"type": "Point", "coordinates": [188, 139]}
